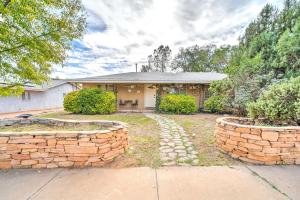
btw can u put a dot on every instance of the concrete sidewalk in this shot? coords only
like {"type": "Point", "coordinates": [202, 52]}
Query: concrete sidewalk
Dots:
{"type": "Point", "coordinates": [173, 183]}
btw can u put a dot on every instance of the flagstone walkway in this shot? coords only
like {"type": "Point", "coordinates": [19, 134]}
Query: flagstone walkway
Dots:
{"type": "Point", "coordinates": [175, 145]}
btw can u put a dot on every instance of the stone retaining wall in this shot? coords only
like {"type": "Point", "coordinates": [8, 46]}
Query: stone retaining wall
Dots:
{"type": "Point", "coordinates": [52, 149]}
{"type": "Point", "coordinates": [258, 144]}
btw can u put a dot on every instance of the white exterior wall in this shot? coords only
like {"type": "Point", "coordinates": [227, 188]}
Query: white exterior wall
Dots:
{"type": "Point", "coordinates": [51, 98]}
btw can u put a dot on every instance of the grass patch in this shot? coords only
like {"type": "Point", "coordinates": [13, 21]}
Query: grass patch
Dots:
{"type": "Point", "coordinates": [48, 127]}
{"type": "Point", "coordinates": [200, 127]}
{"type": "Point", "coordinates": [143, 135]}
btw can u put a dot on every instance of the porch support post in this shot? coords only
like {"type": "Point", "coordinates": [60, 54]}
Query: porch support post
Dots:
{"type": "Point", "coordinates": [158, 97]}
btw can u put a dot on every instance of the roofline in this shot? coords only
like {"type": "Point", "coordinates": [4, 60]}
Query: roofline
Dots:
{"type": "Point", "coordinates": [158, 82]}
{"type": "Point", "coordinates": [45, 89]}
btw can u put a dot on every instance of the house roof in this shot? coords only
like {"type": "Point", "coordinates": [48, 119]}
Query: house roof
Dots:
{"type": "Point", "coordinates": [155, 77]}
{"type": "Point", "coordinates": [43, 87]}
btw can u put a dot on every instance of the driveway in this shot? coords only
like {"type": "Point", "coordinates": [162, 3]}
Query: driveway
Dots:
{"type": "Point", "coordinates": [167, 183]}
{"type": "Point", "coordinates": [33, 112]}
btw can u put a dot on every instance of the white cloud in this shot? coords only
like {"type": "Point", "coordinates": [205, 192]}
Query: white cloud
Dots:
{"type": "Point", "coordinates": [121, 33]}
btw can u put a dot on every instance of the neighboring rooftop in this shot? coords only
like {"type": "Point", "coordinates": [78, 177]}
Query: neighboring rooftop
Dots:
{"type": "Point", "coordinates": [154, 77]}
{"type": "Point", "coordinates": [45, 86]}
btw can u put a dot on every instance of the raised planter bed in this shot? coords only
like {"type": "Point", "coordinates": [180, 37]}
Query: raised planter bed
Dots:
{"type": "Point", "coordinates": [258, 144]}
{"type": "Point", "coordinates": [62, 148]}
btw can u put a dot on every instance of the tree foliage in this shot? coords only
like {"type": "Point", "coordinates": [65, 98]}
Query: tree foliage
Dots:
{"type": "Point", "coordinates": [149, 67]}
{"type": "Point", "coordinates": [202, 59]}
{"type": "Point", "coordinates": [161, 58]}
{"type": "Point", "coordinates": [267, 53]}
{"type": "Point", "coordinates": [34, 36]}
{"type": "Point", "coordinates": [159, 61]}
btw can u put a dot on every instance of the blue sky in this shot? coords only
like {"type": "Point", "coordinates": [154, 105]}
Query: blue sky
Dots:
{"type": "Point", "coordinates": [121, 33]}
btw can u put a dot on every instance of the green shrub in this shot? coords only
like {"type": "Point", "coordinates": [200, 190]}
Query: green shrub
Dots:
{"type": "Point", "coordinates": [91, 101]}
{"type": "Point", "coordinates": [214, 104]}
{"type": "Point", "coordinates": [221, 99]}
{"type": "Point", "coordinates": [178, 104]}
{"type": "Point", "coordinates": [70, 102]}
{"type": "Point", "coordinates": [280, 103]}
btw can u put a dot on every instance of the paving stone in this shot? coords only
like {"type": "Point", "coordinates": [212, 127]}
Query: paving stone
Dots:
{"type": "Point", "coordinates": [179, 147]}
{"type": "Point", "coordinates": [195, 162]}
{"type": "Point", "coordinates": [175, 146]}
{"type": "Point", "coordinates": [184, 164]}
{"type": "Point", "coordinates": [192, 156]}
{"type": "Point", "coordinates": [172, 163]}
{"type": "Point", "coordinates": [183, 159]}
{"type": "Point", "coordinates": [167, 150]}
{"type": "Point", "coordinates": [172, 155]}
{"type": "Point", "coordinates": [190, 148]}
{"type": "Point", "coordinates": [171, 144]}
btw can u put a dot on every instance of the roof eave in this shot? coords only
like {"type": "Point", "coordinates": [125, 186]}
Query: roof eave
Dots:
{"type": "Point", "coordinates": [145, 82]}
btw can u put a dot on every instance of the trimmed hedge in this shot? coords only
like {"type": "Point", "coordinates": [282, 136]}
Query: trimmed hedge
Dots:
{"type": "Point", "coordinates": [279, 104]}
{"type": "Point", "coordinates": [178, 104]}
{"type": "Point", "coordinates": [91, 101]}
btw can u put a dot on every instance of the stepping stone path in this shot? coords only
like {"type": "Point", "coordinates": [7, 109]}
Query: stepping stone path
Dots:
{"type": "Point", "coordinates": [175, 146]}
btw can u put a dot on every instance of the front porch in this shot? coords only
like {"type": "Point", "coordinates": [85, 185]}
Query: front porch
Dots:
{"type": "Point", "coordinates": [133, 97]}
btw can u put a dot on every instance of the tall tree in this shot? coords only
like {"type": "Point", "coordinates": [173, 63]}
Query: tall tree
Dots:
{"type": "Point", "coordinates": [264, 22]}
{"type": "Point", "coordinates": [268, 53]}
{"type": "Point", "coordinates": [34, 36]}
{"type": "Point", "coordinates": [161, 58]}
{"type": "Point", "coordinates": [288, 48]}
{"type": "Point", "coordinates": [148, 67]}
{"type": "Point", "coordinates": [145, 68]}
{"type": "Point", "coordinates": [202, 59]}
{"type": "Point", "coordinates": [187, 59]}
{"type": "Point", "coordinates": [220, 58]}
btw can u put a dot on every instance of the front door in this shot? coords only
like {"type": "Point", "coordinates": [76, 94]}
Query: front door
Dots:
{"type": "Point", "coordinates": [150, 96]}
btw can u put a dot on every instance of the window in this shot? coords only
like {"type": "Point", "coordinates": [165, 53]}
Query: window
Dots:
{"type": "Point", "coordinates": [177, 91]}
{"type": "Point", "coordinates": [23, 96]}
{"type": "Point", "coordinates": [109, 87]}
{"type": "Point", "coordinates": [206, 93]}
{"type": "Point", "coordinates": [26, 96]}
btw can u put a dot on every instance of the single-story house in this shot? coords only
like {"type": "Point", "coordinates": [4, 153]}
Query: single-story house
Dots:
{"type": "Point", "coordinates": [136, 91]}
{"type": "Point", "coordinates": [38, 97]}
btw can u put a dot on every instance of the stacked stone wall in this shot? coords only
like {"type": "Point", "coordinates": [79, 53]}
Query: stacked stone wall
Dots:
{"type": "Point", "coordinates": [52, 149]}
{"type": "Point", "coordinates": [258, 144]}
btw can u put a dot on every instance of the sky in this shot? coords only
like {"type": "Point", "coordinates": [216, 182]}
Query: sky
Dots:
{"type": "Point", "coordinates": [121, 33]}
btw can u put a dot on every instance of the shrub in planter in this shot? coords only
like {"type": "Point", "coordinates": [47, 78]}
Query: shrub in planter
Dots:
{"type": "Point", "coordinates": [178, 104]}
{"type": "Point", "coordinates": [214, 104]}
{"type": "Point", "coordinates": [279, 104]}
{"type": "Point", "coordinates": [70, 102]}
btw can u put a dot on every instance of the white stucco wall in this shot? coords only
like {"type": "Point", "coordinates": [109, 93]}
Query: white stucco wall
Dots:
{"type": "Point", "coordinates": [51, 98]}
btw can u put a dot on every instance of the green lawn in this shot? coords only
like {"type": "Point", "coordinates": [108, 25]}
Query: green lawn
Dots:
{"type": "Point", "coordinates": [143, 137]}
{"type": "Point", "coordinates": [200, 127]}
